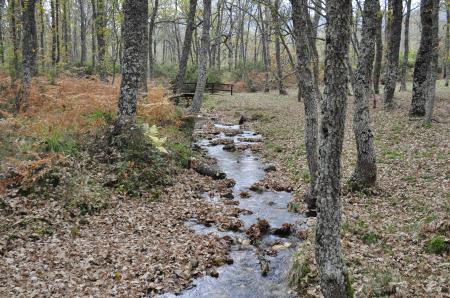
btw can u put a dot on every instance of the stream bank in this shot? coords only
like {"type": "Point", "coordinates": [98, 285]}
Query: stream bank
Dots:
{"type": "Point", "coordinates": [268, 235]}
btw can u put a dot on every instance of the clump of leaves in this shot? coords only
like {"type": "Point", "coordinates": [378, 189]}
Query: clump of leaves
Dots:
{"type": "Point", "coordinates": [437, 245]}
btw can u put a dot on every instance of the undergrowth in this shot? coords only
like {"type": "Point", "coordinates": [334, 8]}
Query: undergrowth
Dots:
{"type": "Point", "coordinates": [63, 160]}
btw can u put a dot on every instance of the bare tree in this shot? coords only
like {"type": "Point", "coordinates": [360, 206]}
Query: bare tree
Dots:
{"type": "Point", "coordinates": [406, 47]}
{"type": "Point", "coordinates": [151, 29]}
{"type": "Point", "coordinates": [447, 45]}
{"type": "Point", "coordinates": [99, 15]}
{"type": "Point", "coordinates": [277, 27]}
{"type": "Point", "coordinates": [135, 20]}
{"type": "Point", "coordinates": [82, 31]}
{"type": "Point", "coordinates": [203, 63]}
{"type": "Point", "coordinates": [426, 62]}
{"type": "Point", "coordinates": [29, 37]}
{"type": "Point", "coordinates": [310, 91]}
{"type": "Point", "coordinates": [378, 56]}
{"type": "Point", "coordinates": [333, 274]}
{"type": "Point", "coordinates": [2, 45]}
{"type": "Point", "coordinates": [179, 81]}
{"type": "Point", "coordinates": [394, 23]}
{"type": "Point", "coordinates": [365, 173]}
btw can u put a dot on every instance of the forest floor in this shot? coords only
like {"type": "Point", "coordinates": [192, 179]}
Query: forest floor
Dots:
{"type": "Point", "coordinates": [82, 219]}
{"type": "Point", "coordinates": [395, 237]}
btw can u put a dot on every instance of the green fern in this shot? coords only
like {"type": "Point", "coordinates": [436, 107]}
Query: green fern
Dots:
{"type": "Point", "coordinates": [152, 134]}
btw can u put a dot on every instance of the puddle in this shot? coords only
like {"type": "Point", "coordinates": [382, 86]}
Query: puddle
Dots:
{"type": "Point", "coordinates": [243, 278]}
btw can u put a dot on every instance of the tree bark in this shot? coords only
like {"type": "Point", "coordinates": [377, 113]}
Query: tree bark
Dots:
{"type": "Point", "coordinates": [179, 80]}
{"type": "Point", "coordinates": [100, 31]}
{"type": "Point", "coordinates": [42, 33]}
{"type": "Point", "coordinates": [203, 63]}
{"type": "Point", "coordinates": [264, 48]}
{"type": "Point", "coordinates": [311, 94]}
{"type": "Point", "coordinates": [2, 46]}
{"type": "Point", "coordinates": [66, 30]}
{"type": "Point", "coordinates": [93, 43]}
{"type": "Point", "coordinates": [426, 62]}
{"type": "Point", "coordinates": [15, 40]}
{"type": "Point", "coordinates": [395, 16]}
{"type": "Point", "coordinates": [135, 20]}
{"type": "Point", "coordinates": [406, 47]}
{"type": "Point", "coordinates": [378, 55]}
{"type": "Point", "coordinates": [332, 270]}
{"type": "Point", "coordinates": [447, 45]}
{"type": "Point", "coordinates": [365, 173]}
{"type": "Point", "coordinates": [277, 27]}
{"type": "Point", "coordinates": [28, 52]}
{"type": "Point", "coordinates": [151, 29]}
{"type": "Point", "coordinates": [82, 32]}
{"type": "Point", "coordinates": [433, 65]}
{"type": "Point", "coordinates": [146, 49]}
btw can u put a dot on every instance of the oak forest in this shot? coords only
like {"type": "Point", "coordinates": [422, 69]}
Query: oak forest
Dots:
{"type": "Point", "coordinates": [225, 148]}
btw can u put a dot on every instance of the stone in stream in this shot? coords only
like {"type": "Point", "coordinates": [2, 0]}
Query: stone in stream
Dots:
{"type": "Point", "coordinates": [229, 147]}
{"type": "Point", "coordinates": [284, 231]}
{"type": "Point", "coordinates": [214, 273]}
{"type": "Point", "coordinates": [206, 170]}
{"type": "Point", "coordinates": [228, 195]}
{"type": "Point", "coordinates": [285, 245]}
{"type": "Point", "coordinates": [256, 188]}
{"type": "Point", "coordinates": [244, 194]}
{"type": "Point", "coordinates": [216, 142]}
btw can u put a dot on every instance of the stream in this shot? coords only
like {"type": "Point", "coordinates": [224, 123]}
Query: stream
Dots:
{"type": "Point", "coordinates": [244, 277]}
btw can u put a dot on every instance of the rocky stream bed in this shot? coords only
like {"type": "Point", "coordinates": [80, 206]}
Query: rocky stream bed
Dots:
{"type": "Point", "coordinates": [269, 233]}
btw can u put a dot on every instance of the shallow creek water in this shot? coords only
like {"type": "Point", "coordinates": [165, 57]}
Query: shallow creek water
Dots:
{"type": "Point", "coordinates": [243, 278]}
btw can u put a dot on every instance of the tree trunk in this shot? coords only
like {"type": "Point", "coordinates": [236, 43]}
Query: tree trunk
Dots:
{"type": "Point", "coordinates": [203, 63]}
{"type": "Point", "coordinates": [333, 274]}
{"type": "Point", "coordinates": [447, 46]}
{"type": "Point", "coordinates": [406, 47]}
{"type": "Point", "coordinates": [425, 67]}
{"type": "Point", "coordinates": [151, 29]}
{"type": "Point", "coordinates": [54, 28]}
{"type": "Point", "coordinates": [365, 173]}
{"type": "Point", "coordinates": [145, 53]}
{"type": "Point", "coordinates": [66, 33]}
{"type": "Point", "coordinates": [28, 52]}
{"type": "Point", "coordinates": [42, 33]}
{"type": "Point", "coordinates": [311, 94]}
{"type": "Point", "coordinates": [2, 46]}
{"type": "Point", "coordinates": [395, 16]}
{"type": "Point", "coordinates": [82, 32]}
{"type": "Point", "coordinates": [15, 40]}
{"type": "Point", "coordinates": [179, 80]}
{"type": "Point", "coordinates": [264, 49]}
{"type": "Point", "coordinates": [378, 55]}
{"type": "Point", "coordinates": [93, 45]}
{"type": "Point", "coordinates": [100, 31]}
{"type": "Point", "coordinates": [135, 21]}
{"type": "Point", "coordinates": [58, 40]}
{"type": "Point", "coordinates": [277, 27]}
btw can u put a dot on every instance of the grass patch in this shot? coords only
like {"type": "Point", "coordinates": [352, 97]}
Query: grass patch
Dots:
{"type": "Point", "coordinates": [437, 245]}
{"type": "Point", "coordinates": [370, 238]}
